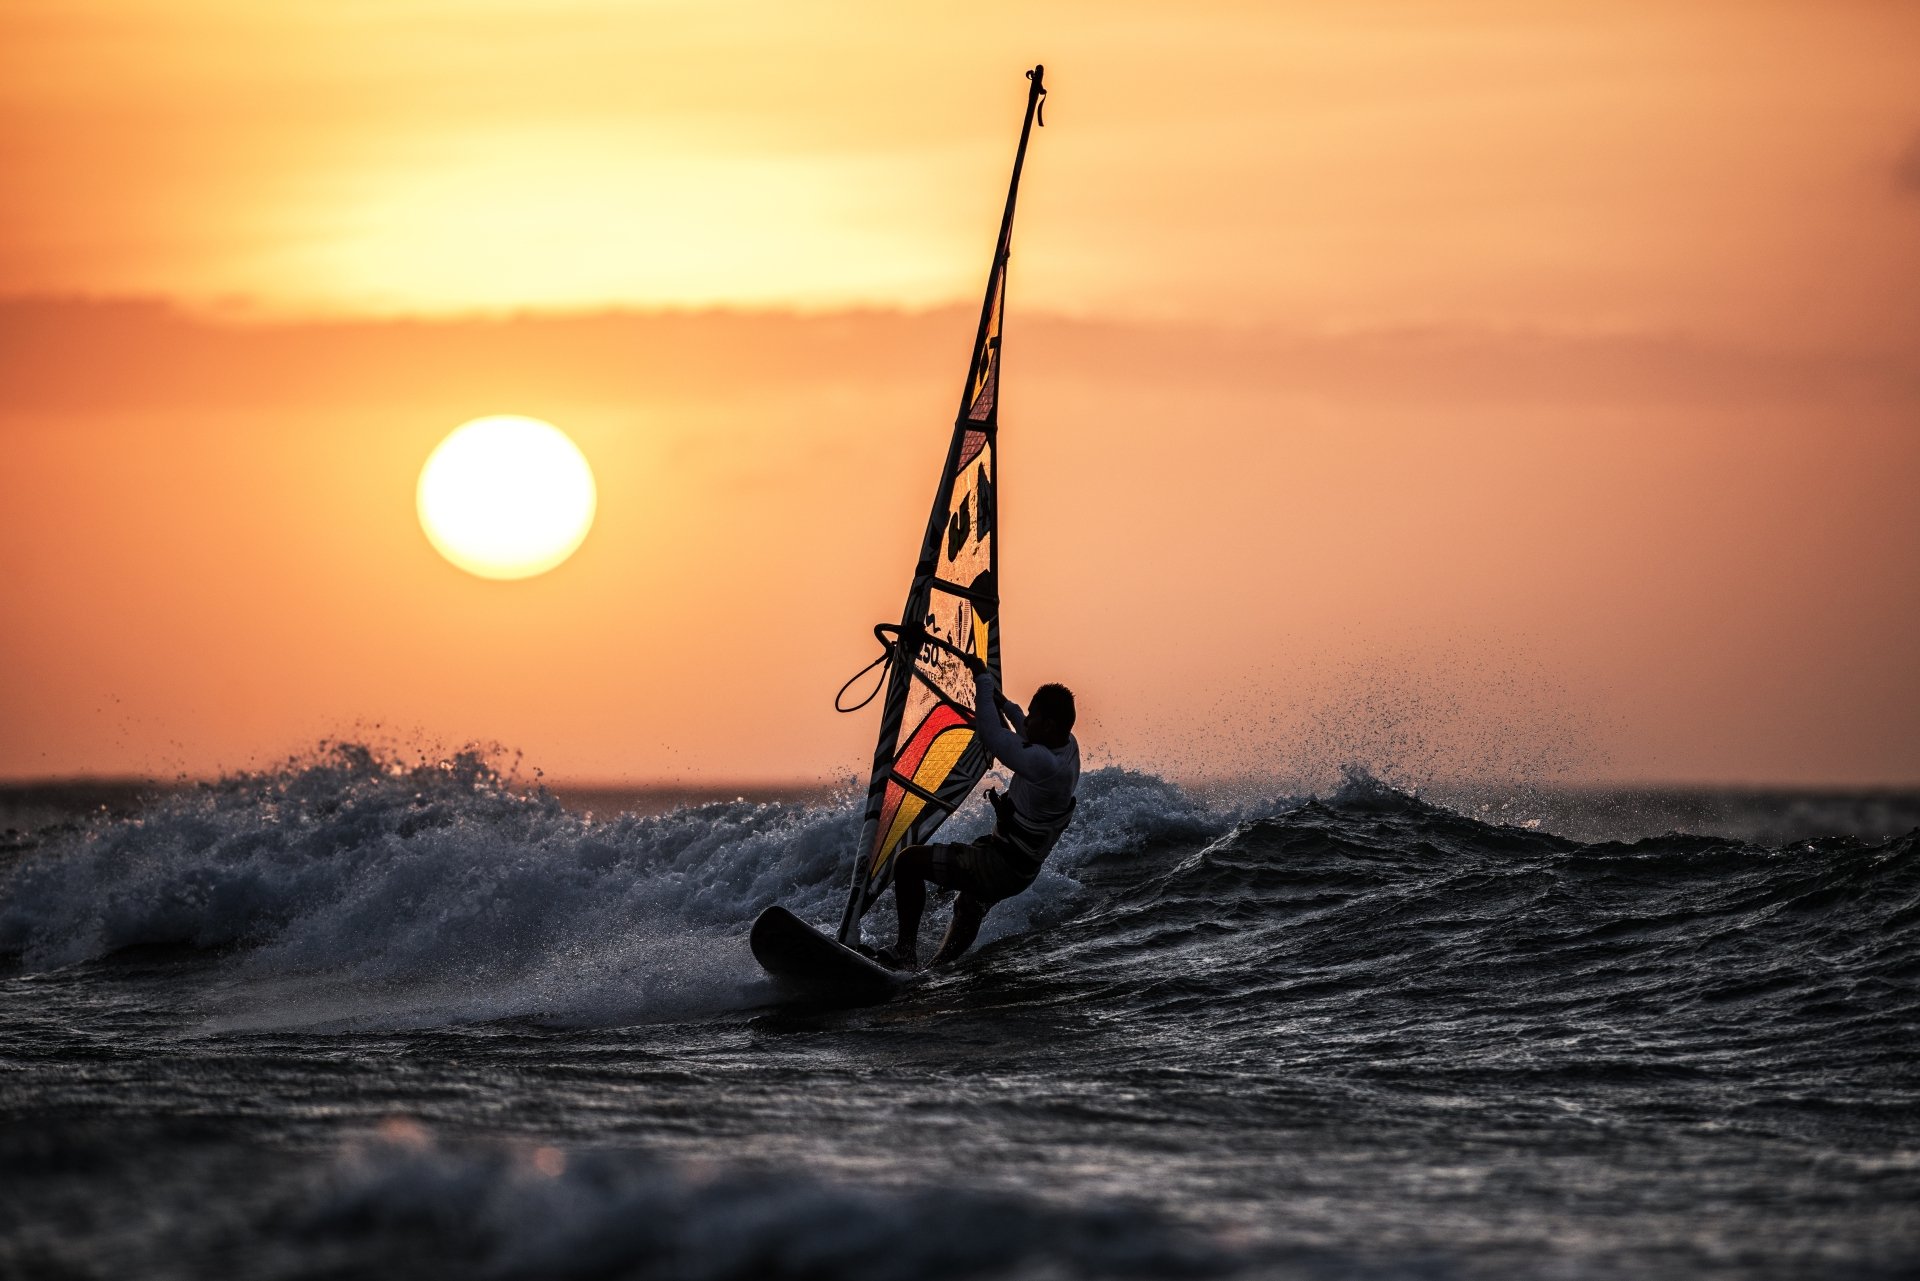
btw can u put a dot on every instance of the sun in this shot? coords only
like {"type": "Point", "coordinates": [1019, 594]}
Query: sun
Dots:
{"type": "Point", "coordinates": [506, 497]}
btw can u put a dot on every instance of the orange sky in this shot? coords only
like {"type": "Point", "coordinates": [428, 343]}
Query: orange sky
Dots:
{"type": "Point", "coordinates": [1532, 388]}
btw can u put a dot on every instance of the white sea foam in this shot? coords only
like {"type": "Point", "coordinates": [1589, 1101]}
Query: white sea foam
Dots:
{"type": "Point", "coordinates": [360, 891]}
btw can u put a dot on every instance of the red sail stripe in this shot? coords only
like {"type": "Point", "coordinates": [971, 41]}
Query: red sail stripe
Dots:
{"type": "Point", "coordinates": [942, 718]}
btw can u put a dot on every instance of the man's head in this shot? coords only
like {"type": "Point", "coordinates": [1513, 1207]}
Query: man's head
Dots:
{"type": "Point", "coordinates": [1050, 715]}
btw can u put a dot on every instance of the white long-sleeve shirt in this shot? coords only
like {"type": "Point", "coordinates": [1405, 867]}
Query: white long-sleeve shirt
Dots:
{"type": "Point", "coordinates": [1043, 777]}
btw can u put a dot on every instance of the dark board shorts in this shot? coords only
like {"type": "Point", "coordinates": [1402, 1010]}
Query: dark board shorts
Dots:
{"type": "Point", "coordinates": [988, 869]}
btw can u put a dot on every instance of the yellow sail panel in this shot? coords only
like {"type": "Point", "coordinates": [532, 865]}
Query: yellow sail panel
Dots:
{"type": "Point", "coordinates": [946, 745]}
{"type": "Point", "coordinates": [909, 809]}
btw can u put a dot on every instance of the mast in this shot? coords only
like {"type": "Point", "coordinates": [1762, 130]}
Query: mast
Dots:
{"type": "Point", "coordinates": [996, 274]}
{"type": "Point", "coordinates": [908, 638]}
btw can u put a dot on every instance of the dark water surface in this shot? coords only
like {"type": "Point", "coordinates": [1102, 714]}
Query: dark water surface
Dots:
{"type": "Point", "coordinates": [354, 1019]}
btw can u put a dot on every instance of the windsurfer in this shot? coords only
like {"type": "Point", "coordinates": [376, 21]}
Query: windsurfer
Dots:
{"type": "Point", "coordinates": [1038, 747]}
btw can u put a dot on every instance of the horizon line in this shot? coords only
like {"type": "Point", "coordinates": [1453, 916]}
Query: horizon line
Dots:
{"type": "Point", "coordinates": [799, 786]}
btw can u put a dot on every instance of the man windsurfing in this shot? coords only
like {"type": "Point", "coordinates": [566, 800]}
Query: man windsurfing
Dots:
{"type": "Point", "coordinates": [1037, 746]}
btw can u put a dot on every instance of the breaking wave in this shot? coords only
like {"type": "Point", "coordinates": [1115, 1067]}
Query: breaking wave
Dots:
{"type": "Point", "coordinates": [511, 1210]}
{"type": "Point", "coordinates": [456, 896]}
{"type": "Point", "coordinates": [357, 891]}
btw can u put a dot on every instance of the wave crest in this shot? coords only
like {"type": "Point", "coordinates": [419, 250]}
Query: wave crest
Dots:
{"type": "Point", "coordinates": [525, 1210]}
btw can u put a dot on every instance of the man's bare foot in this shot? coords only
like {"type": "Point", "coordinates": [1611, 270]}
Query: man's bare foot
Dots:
{"type": "Point", "coordinates": [898, 958]}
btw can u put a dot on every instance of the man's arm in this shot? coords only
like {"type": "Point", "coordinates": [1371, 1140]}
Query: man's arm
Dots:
{"type": "Point", "coordinates": [1011, 710]}
{"type": "Point", "coordinates": [1028, 760]}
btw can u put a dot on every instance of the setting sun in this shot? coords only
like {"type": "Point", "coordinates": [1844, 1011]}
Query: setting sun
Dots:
{"type": "Point", "coordinates": [506, 497]}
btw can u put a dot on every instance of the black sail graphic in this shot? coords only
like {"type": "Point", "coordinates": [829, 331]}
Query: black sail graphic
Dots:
{"type": "Point", "coordinates": [926, 761]}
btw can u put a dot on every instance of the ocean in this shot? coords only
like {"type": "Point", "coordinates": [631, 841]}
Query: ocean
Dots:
{"type": "Point", "coordinates": [359, 1016]}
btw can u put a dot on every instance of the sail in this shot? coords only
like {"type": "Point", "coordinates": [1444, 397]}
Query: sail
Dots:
{"type": "Point", "coordinates": [927, 761]}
